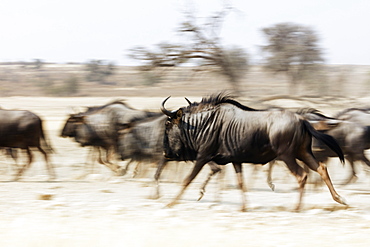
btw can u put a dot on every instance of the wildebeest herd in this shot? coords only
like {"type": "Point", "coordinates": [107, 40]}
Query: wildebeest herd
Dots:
{"type": "Point", "coordinates": [216, 131]}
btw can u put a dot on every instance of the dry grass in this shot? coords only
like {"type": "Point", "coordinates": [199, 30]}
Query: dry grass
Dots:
{"type": "Point", "coordinates": [336, 81]}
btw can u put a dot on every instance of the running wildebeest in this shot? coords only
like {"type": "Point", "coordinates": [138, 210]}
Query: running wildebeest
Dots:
{"type": "Point", "coordinates": [357, 115]}
{"type": "Point", "coordinates": [142, 141]}
{"type": "Point", "coordinates": [356, 128]}
{"type": "Point", "coordinates": [320, 122]}
{"type": "Point", "coordinates": [354, 139]}
{"type": "Point", "coordinates": [98, 127]}
{"type": "Point", "coordinates": [23, 129]}
{"type": "Point", "coordinates": [78, 126]}
{"type": "Point", "coordinates": [222, 130]}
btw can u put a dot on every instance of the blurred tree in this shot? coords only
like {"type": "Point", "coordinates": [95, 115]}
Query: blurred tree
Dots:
{"type": "Point", "coordinates": [202, 47]}
{"type": "Point", "coordinates": [38, 67]}
{"type": "Point", "coordinates": [99, 70]}
{"type": "Point", "coordinates": [292, 49]}
{"type": "Point", "coordinates": [37, 64]}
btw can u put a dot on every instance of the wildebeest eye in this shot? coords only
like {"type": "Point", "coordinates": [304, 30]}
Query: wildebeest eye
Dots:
{"type": "Point", "coordinates": [168, 122]}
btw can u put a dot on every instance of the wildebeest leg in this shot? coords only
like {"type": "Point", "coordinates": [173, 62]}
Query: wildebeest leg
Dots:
{"type": "Point", "coordinates": [239, 174]}
{"type": "Point", "coordinates": [27, 165]}
{"type": "Point", "coordinates": [255, 170]}
{"type": "Point", "coordinates": [299, 173]}
{"type": "Point", "coordinates": [269, 177]}
{"type": "Point", "coordinates": [124, 170]}
{"type": "Point", "coordinates": [49, 166]}
{"type": "Point", "coordinates": [137, 169]}
{"type": "Point", "coordinates": [100, 159]}
{"type": "Point", "coordinates": [95, 155]}
{"type": "Point", "coordinates": [361, 157]}
{"type": "Point", "coordinates": [366, 161]}
{"type": "Point", "coordinates": [114, 167]}
{"type": "Point", "coordinates": [310, 161]}
{"type": "Point", "coordinates": [196, 169]}
{"type": "Point", "coordinates": [161, 164]}
{"type": "Point", "coordinates": [12, 152]}
{"type": "Point", "coordinates": [214, 169]}
{"type": "Point", "coordinates": [89, 156]}
{"type": "Point", "coordinates": [352, 177]}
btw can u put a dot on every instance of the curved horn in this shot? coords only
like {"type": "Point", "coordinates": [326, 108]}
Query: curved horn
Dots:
{"type": "Point", "coordinates": [188, 101]}
{"type": "Point", "coordinates": [165, 111]}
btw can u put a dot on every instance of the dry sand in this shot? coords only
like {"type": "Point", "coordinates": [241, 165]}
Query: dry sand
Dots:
{"type": "Point", "coordinates": [104, 210]}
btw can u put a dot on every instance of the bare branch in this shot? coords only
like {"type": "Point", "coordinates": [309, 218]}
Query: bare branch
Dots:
{"type": "Point", "coordinates": [204, 46]}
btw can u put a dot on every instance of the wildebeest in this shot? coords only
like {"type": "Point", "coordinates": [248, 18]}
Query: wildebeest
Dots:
{"type": "Point", "coordinates": [23, 129]}
{"type": "Point", "coordinates": [355, 130]}
{"type": "Point", "coordinates": [98, 127]}
{"type": "Point", "coordinates": [142, 141]}
{"type": "Point", "coordinates": [357, 115]}
{"type": "Point", "coordinates": [222, 130]}
{"type": "Point", "coordinates": [320, 122]}
{"type": "Point", "coordinates": [80, 127]}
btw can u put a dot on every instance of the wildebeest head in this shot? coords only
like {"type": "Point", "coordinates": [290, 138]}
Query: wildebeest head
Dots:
{"type": "Point", "coordinates": [71, 125]}
{"type": "Point", "coordinates": [172, 137]}
{"type": "Point", "coordinates": [76, 127]}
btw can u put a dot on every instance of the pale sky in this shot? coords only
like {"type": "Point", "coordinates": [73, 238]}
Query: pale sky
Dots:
{"type": "Point", "coordinates": [79, 30]}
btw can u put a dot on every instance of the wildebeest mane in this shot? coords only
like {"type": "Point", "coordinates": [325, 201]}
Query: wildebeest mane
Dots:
{"type": "Point", "coordinates": [121, 102]}
{"type": "Point", "coordinates": [303, 111]}
{"type": "Point", "coordinates": [94, 109]}
{"type": "Point", "coordinates": [115, 102]}
{"type": "Point", "coordinates": [218, 99]}
{"type": "Point", "coordinates": [149, 116]}
{"type": "Point", "coordinates": [364, 110]}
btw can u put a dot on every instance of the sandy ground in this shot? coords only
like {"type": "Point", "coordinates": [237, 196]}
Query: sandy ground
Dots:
{"type": "Point", "coordinates": [100, 209]}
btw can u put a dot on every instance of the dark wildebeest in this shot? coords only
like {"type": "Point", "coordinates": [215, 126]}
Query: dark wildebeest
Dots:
{"type": "Point", "coordinates": [356, 124]}
{"type": "Point", "coordinates": [320, 122]}
{"type": "Point", "coordinates": [354, 139]}
{"type": "Point", "coordinates": [142, 141]}
{"type": "Point", "coordinates": [23, 129]}
{"type": "Point", "coordinates": [79, 127]}
{"type": "Point", "coordinates": [222, 130]}
{"type": "Point", "coordinates": [98, 127]}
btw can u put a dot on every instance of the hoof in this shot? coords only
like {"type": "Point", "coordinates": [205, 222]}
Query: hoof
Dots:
{"type": "Point", "coordinates": [170, 205]}
{"type": "Point", "coordinates": [341, 200]}
{"type": "Point", "coordinates": [201, 195]}
{"type": "Point", "coordinates": [297, 209]}
{"type": "Point", "coordinates": [121, 172]}
{"type": "Point", "coordinates": [272, 187]}
{"type": "Point", "coordinates": [155, 196]}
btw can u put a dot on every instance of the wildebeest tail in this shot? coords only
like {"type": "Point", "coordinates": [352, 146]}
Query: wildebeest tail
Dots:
{"type": "Point", "coordinates": [326, 139]}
